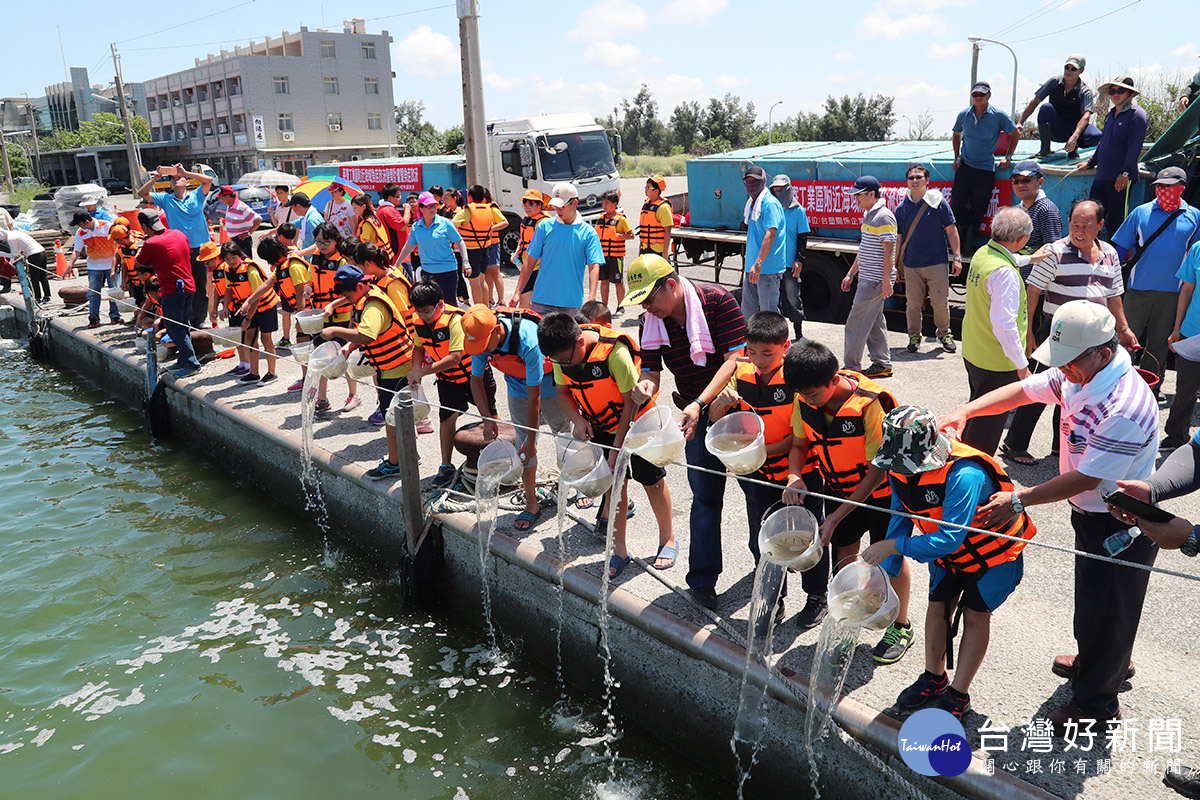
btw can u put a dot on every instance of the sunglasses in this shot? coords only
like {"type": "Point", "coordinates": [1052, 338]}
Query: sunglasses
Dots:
{"type": "Point", "coordinates": [916, 177]}
{"type": "Point", "coordinates": [1114, 92]}
{"type": "Point", "coordinates": [1021, 181]}
{"type": "Point", "coordinates": [978, 94]}
{"type": "Point", "coordinates": [1071, 68]}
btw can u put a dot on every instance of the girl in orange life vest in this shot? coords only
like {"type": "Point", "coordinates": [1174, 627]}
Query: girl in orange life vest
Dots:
{"type": "Point", "coordinates": [492, 277]}
{"type": "Point", "coordinates": [656, 220]}
{"type": "Point", "coordinates": [534, 203]}
{"type": "Point", "coordinates": [287, 234]}
{"type": "Point", "coordinates": [947, 482]}
{"type": "Point", "coordinates": [210, 256]}
{"type": "Point", "coordinates": [149, 316]}
{"type": "Point", "coordinates": [255, 308]}
{"type": "Point", "coordinates": [325, 262]}
{"type": "Point", "coordinates": [476, 223]}
{"type": "Point", "coordinates": [368, 227]}
{"type": "Point", "coordinates": [288, 277]}
{"type": "Point", "coordinates": [596, 369]}
{"type": "Point", "coordinates": [614, 230]}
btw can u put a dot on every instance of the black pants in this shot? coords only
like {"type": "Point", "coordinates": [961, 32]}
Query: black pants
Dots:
{"type": "Point", "coordinates": [1025, 418]}
{"type": "Point", "coordinates": [759, 498]}
{"type": "Point", "coordinates": [1116, 203]}
{"type": "Point", "coordinates": [39, 278]}
{"type": "Point", "coordinates": [1108, 608]}
{"type": "Point", "coordinates": [199, 316]}
{"type": "Point", "coordinates": [969, 199]}
{"type": "Point", "coordinates": [983, 433]}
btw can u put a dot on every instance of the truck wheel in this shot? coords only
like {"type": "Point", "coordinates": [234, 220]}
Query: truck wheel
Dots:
{"type": "Point", "coordinates": [821, 288]}
{"type": "Point", "coordinates": [510, 240]}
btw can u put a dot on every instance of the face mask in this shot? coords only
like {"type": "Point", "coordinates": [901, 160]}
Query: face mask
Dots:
{"type": "Point", "coordinates": [1169, 197]}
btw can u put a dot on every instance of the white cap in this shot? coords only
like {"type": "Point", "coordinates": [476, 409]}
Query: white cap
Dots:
{"type": "Point", "coordinates": [563, 193]}
{"type": "Point", "coordinates": [1076, 326]}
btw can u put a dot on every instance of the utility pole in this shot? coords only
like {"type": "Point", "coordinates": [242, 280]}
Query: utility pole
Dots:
{"type": "Point", "coordinates": [474, 125]}
{"type": "Point", "coordinates": [135, 171]}
{"type": "Point", "coordinates": [37, 152]}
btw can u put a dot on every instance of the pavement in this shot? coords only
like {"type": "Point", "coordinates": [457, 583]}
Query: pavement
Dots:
{"type": "Point", "coordinates": [1014, 686]}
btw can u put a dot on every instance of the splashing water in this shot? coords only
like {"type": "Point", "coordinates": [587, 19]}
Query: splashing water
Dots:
{"type": "Point", "coordinates": [750, 723]}
{"type": "Point", "coordinates": [487, 500]}
{"type": "Point", "coordinates": [610, 731]}
{"type": "Point", "coordinates": [831, 663]}
{"type": "Point", "coordinates": [314, 499]}
{"type": "Point", "coordinates": [561, 524]}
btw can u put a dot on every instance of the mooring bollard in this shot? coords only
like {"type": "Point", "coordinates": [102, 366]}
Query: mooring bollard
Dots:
{"type": "Point", "coordinates": [410, 476]}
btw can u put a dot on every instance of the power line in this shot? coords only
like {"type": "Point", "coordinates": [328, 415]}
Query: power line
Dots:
{"type": "Point", "coordinates": [407, 13]}
{"type": "Point", "coordinates": [1036, 13]}
{"type": "Point", "coordinates": [189, 22]}
{"type": "Point", "coordinates": [1078, 25]}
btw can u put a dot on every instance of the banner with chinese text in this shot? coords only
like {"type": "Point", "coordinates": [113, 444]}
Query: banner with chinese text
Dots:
{"type": "Point", "coordinates": [373, 177]}
{"type": "Point", "coordinates": [829, 205]}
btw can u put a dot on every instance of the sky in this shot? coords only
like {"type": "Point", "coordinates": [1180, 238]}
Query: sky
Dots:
{"type": "Point", "coordinates": [586, 56]}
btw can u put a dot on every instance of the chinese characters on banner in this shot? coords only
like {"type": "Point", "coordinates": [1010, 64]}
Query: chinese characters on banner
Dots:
{"type": "Point", "coordinates": [830, 206]}
{"type": "Point", "coordinates": [373, 177]}
{"type": "Point", "coordinates": [1090, 748]}
{"type": "Point", "coordinates": [260, 130]}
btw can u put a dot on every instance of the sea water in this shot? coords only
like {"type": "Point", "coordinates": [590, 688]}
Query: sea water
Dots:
{"type": "Point", "coordinates": [487, 502]}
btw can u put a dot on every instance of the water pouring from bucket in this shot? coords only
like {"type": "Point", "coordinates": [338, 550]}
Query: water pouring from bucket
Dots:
{"type": "Point", "coordinates": [655, 436]}
{"type": "Point", "coordinates": [737, 439]}
{"type": "Point", "coordinates": [498, 463]}
{"type": "Point", "coordinates": [328, 360]}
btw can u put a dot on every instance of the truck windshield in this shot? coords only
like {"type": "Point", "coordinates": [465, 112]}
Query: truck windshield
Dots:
{"type": "Point", "coordinates": [587, 154]}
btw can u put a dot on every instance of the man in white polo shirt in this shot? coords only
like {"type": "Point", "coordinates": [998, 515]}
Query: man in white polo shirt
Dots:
{"type": "Point", "coordinates": [241, 221]}
{"type": "Point", "coordinates": [1110, 433]}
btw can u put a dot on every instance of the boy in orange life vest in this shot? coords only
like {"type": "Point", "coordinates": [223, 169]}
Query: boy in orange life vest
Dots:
{"type": "Point", "coordinates": [534, 203]}
{"type": "Point", "coordinates": [596, 369]}
{"type": "Point", "coordinates": [376, 264]}
{"type": "Point", "coordinates": [149, 315]}
{"type": "Point", "coordinates": [838, 417]}
{"type": "Point", "coordinates": [288, 277]}
{"type": "Point", "coordinates": [438, 350]}
{"type": "Point", "coordinates": [210, 255]}
{"type": "Point", "coordinates": [756, 383]}
{"type": "Point", "coordinates": [380, 331]}
{"type": "Point", "coordinates": [477, 222]}
{"type": "Point", "coordinates": [947, 481]}
{"type": "Point", "coordinates": [656, 220]}
{"type": "Point", "coordinates": [256, 308]}
{"type": "Point", "coordinates": [287, 234]}
{"type": "Point", "coordinates": [614, 230]}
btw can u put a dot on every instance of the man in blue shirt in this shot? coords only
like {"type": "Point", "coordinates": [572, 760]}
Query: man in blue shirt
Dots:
{"type": "Point", "coordinates": [795, 248]}
{"type": "Point", "coordinates": [509, 341]}
{"type": "Point", "coordinates": [569, 250]}
{"type": "Point", "coordinates": [976, 134]}
{"type": "Point", "coordinates": [924, 247]}
{"type": "Point", "coordinates": [305, 218]}
{"type": "Point", "coordinates": [184, 210]}
{"type": "Point", "coordinates": [764, 245]}
{"type": "Point", "coordinates": [1152, 290]}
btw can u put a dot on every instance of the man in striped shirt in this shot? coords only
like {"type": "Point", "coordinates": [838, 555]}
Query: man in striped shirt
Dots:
{"type": "Point", "coordinates": [240, 220]}
{"type": "Point", "coordinates": [875, 267]}
{"type": "Point", "coordinates": [1110, 433]}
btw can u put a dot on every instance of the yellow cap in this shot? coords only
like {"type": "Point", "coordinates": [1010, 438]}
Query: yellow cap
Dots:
{"type": "Point", "coordinates": [643, 273]}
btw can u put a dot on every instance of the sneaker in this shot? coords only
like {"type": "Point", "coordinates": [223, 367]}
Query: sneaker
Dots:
{"type": "Point", "coordinates": [924, 689]}
{"type": "Point", "coordinates": [1184, 780]}
{"type": "Point", "coordinates": [250, 377]}
{"type": "Point", "coordinates": [1171, 443]}
{"type": "Point", "coordinates": [284, 342]}
{"type": "Point", "coordinates": [878, 371]}
{"type": "Point", "coordinates": [377, 418]}
{"type": "Point", "coordinates": [93, 323]}
{"type": "Point", "coordinates": [914, 342]}
{"type": "Point", "coordinates": [955, 702]}
{"type": "Point", "coordinates": [385, 469]}
{"type": "Point", "coordinates": [322, 406]}
{"type": "Point", "coordinates": [240, 369]}
{"type": "Point", "coordinates": [705, 596]}
{"type": "Point", "coordinates": [270, 376]}
{"type": "Point", "coordinates": [816, 607]}
{"type": "Point", "coordinates": [445, 474]}
{"type": "Point", "coordinates": [184, 371]}
{"type": "Point", "coordinates": [297, 386]}
{"type": "Point", "coordinates": [352, 402]}
{"type": "Point", "coordinates": [948, 343]}
{"type": "Point", "coordinates": [425, 426]}
{"type": "Point", "coordinates": [115, 321]}
{"type": "Point", "coordinates": [1066, 667]}
{"type": "Point", "coordinates": [894, 644]}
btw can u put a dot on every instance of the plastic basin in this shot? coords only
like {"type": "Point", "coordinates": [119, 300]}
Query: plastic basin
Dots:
{"type": "Point", "coordinates": [737, 439]}
{"type": "Point", "coordinates": [584, 467]}
{"type": "Point", "coordinates": [310, 321]}
{"type": "Point", "coordinates": [500, 457]}
{"type": "Point", "coordinates": [301, 351]}
{"type": "Point", "coordinates": [328, 360]}
{"type": "Point", "coordinates": [788, 537]}
{"type": "Point", "coordinates": [861, 594]}
{"type": "Point", "coordinates": [655, 436]}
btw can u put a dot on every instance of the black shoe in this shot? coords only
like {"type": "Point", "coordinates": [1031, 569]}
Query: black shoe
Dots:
{"type": "Point", "coordinates": [1072, 154]}
{"type": "Point", "coordinates": [705, 596]}
{"type": "Point", "coordinates": [284, 342]}
{"type": "Point", "coordinates": [1171, 443]}
{"type": "Point", "coordinates": [877, 371]}
{"type": "Point", "coordinates": [1184, 780]}
{"type": "Point", "coordinates": [926, 688]}
{"type": "Point", "coordinates": [814, 612]}
{"type": "Point", "coordinates": [250, 377]}
{"type": "Point", "coordinates": [1043, 153]}
{"type": "Point", "coordinates": [270, 376]}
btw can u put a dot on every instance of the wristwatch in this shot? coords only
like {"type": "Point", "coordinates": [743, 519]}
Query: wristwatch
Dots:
{"type": "Point", "coordinates": [1125, 175]}
{"type": "Point", "coordinates": [701, 405]}
{"type": "Point", "coordinates": [956, 258]}
{"type": "Point", "coordinates": [1192, 544]}
{"type": "Point", "coordinates": [1017, 505]}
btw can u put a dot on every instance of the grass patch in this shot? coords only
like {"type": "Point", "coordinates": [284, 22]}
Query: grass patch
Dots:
{"type": "Point", "coordinates": [653, 165]}
{"type": "Point", "coordinates": [25, 194]}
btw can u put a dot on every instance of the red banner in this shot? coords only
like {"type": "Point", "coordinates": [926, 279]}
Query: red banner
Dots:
{"type": "Point", "coordinates": [829, 205]}
{"type": "Point", "coordinates": [373, 177]}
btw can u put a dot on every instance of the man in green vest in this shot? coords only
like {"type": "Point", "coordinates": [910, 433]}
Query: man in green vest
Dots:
{"type": "Point", "coordinates": [995, 324]}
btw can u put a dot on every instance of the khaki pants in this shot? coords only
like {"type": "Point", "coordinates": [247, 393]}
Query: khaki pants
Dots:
{"type": "Point", "coordinates": [934, 280]}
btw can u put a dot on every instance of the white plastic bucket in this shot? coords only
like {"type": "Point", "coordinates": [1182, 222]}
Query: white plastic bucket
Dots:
{"type": "Point", "coordinates": [584, 467]}
{"type": "Point", "coordinates": [301, 351]}
{"type": "Point", "coordinates": [114, 293]}
{"type": "Point", "coordinates": [359, 366]}
{"type": "Point", "coordinates": [861, 594]}
{"type": "Point", "coordinates": [310, 321]}
{"type": "Point", "coordinates": [737, 439]}
{"type": "Point", "coordinates": [225, 338]}
{"type": "Point", "coordinates": [788, 537]}
{"type": "Point", "coordinates": [420, 405]}
{"type": "Point", "coordinates": [328, 360]}
{"type": "Point", "coordinates": [501, 457]}
{"type": "Point", "coordinates": [655, 436]}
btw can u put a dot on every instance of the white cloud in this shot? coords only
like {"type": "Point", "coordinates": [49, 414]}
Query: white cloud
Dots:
{"type": "Point", "coordinates": [426, 54]}
{"type": "Point", "coordinates": [1186, 50]}
{"type": "Point", "coordinates": [843, 56]}
{"type": "Point", "coordinates": [841, 77]}
{"type": "Point", "coordinates": [559, 95]}
{"type": "Point", "coordinates": [674, 88]}
{"type": "Point", "coordinates": [730, 81]}
{"type": "Point", "coordinates": [612, 55]}
{"type": "Point", "coordinates": [691, 12]}
{"type": "Point", "coordinates": [923, 91]}
{"type": "Point", "coordinates": [944, 51]}
{"type": "Point", "coordinates": [606, 19]}
{"type": "Point", "coordinates": [493, 80]}
{"type": "Point", "coordinates": [878, 22]}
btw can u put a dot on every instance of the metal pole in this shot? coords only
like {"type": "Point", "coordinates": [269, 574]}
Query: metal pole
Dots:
{"type": "Point", "coordinates": [7, 172]}
{"type": "Point", "coordinates": [770, 124]}
{"type": "Point", "coordinates": [474, 126]}
{"type": "Point", "coordinates": [37, 151]}
{"type": "Point", "coordinates": [410, 481]}
{"type": "Point", "coordinates": [135, 172]}
{"type": "Point", "coordinates": [975, 48]}
{"type": "Point", "coordinates": [151, 362]}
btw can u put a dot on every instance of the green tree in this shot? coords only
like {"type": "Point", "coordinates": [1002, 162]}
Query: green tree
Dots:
{"type": "Point", "coordinates": [857, 119]}
{"type": "Point", "coordinates": [104, 128]}
{"type": "Point", "coordinates": [684, 125]}
{"type": "Point", "coordinates": [414, 136]}
{"type": "Point", "coordinates": [727, 118]}
{"type": "Point", "coordinates": [641, 131]}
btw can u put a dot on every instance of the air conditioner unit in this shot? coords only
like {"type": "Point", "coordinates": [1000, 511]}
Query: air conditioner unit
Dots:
{"type": "Point", "coordinates": [222, 129]}
{"type": "Point", "coordinates": [288, 136]}
{"type": "Point", "coordinates": [335, 127]}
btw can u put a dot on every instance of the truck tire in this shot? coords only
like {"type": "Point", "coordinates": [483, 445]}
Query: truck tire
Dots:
{"type": "Point", "coordinates": [821, 288]}
{"type": "Point", "coordinates": [510, 239]}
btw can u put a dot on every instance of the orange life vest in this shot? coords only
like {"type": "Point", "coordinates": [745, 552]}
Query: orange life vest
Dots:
{"type": "Point", "coordinates": [373, 231]}
{"type": "Point", "coordinates": [841, 444]}
{"type": "Point", "coordinates": [494, 237]}
{"type": "Point", "coordinates": [528, 226]}
{"type": "Point", "coordinates": [650, 231]}
{"type": "Point", "coordinates": [477, 228]}
{"type": "Point", "coordinates": [393, 348]}
{"type": "Point", "coordinates": [128, 252]}
{"type": "Point", "coordinates": [610, 240]}
{"type": "Point", "coordinates": [285, 286]}
{"type": "Point", "coordinates": [773, 401]}
{"type": "Point", "coordinates": [435, 341]}
{"type": "Point", "coordinates": [591, 383]}
{"type": "Point", "coordinates": [323, 294]}
{"type": "Point", "coordinates": [925, 494]}
{"type": "Point", "coordinates": [506, 357]}
{"type": "Point", "coordinates": [220, 280]}
{"type": "Point", "coordinates": [239, 284]}
{"type": "Point", "coordinates": [398, 277]}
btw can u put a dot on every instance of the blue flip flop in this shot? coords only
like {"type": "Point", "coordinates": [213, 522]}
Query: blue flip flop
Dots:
{"type": "Point", "coordinates": [528, 518]}
{"type": "Point", "coordinates": [617, 563]}
{"type": "Point", "coordinates": [666, 551]}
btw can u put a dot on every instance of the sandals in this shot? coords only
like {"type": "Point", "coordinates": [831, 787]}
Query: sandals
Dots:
{"type": "Point", "coordinates": [527, 517]}
{"type": "Point", "coordinates": [1022, 457]}
{"type": "Point", "coordinates": [616, 565]}
{"type": "Point", "coordinates": [666, 553]}
{"type": "Point", "coordinates": [583, 503]}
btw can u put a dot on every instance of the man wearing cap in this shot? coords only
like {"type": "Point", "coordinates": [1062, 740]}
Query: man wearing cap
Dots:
{"type": "Point", "coordinates": [570, 253]}
{"type": "Point", "coordinates": [1027, 180]}
{"type": "Point", "coordinates": [875, 268]}
{"type": "Point", "coordinates": [976, 133]}
{"type": "Point", "coordinates": [184, 211]}
{"type": "Point", "coordinates": [509, 340]}
{"type": "Point", "coordinates": [1116, 156]}
{"type": "Point", "coordinates": [945, 482]}
{"type": "Point", "coordinates": [1187, 369]}
{"type": "Point", "coordinates": [693, 328]}
{"type": "Point", "coordinates": [1110, 433]}
{"type": "Point", "coordinates": [764, 262]}
{"type": "Point", "coordinates": [439, 240]}
{"type": "Point", "coordinates": [240, 220]}
{"type": "Point", "coordinates": [656, 219]}
{"type": "Point", "coordinates": [794, 234]}
{"type": "Point", "coordinates": [1067, 114]}
{"type": "Point", "coordinates": [168, 252]}
{"type": "Point", "coordinates": [392, 215]}
{"type": "Point", "coordinates": [925, 224]}
{"type": "Point", "coordinates": [92, 206]}
{"type": "Point", "coordinates": [1154, 240]}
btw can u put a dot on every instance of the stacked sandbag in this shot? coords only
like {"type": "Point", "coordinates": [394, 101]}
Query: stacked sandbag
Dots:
{"type": "Point", "coordinates": [67, 201]}
{"type": "Point", "coordinates": [42, 213]}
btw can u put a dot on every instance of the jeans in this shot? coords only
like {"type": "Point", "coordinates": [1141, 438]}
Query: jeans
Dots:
{"type": "Point", "coordinates": [176, 307]}
{"type": "Point", "coordinates": [934, 280]}
{"type": "Point", "coordinates": [97, 280]}
{"type": "Point", "coordinates": [1053, 128]}
{"type": "Point", "coordinates": [865, 326]}
{"type": "Point", "coordinates": [704, 519]}
{"type": "Point", "coordinates": [761, 296]}
{"type": "Point", "coordinates": [791, 303]}
{"type": "Point", "coordinates": [198, 313]}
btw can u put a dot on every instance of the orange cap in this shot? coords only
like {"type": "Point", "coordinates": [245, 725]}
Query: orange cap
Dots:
{"type": "Point", "coordinates": [478, 322]}
{"type": "Point", "coordinates": [659, 181]}
{"type": "Point", "coordinates": [208, 251]}
{"type": "Point", "coordinates": [533, 195]}
{"type": "Point", "coordinates": [118, 232]}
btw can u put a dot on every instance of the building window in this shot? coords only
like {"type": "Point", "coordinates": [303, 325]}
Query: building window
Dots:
{"type": "Point", "coordinates": [371, 85]}
{"type": "Point", "coordinates": [374, 121]}
{"type": "Point", "coordinates": [235, 87]}
{"type": "Point", "coordinates": [331, 85]}
{"type": "Point", "coordinates": [368, 50]}
{"type": "Point", "coordinates": [202, 92]}
{"type": "Point", "coordinates": [281, 85]}
{"type": "Point", "coordinates": [334, 119]}
{"type": "Point", "coordinates": [285, 122]}
{"type": "Point", "coordinates": [328, 48]}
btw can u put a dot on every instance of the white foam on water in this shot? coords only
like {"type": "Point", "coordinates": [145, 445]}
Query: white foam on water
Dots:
{"type": "Point", "coordinates": [383, 702]}
{"type": "Point", "coordinates": [43, 736]}
{"type": "Point", "coordinates": [76, 699]}
{"type": "Point", "coordinates": [348, 684]}
{"type": "Point", "coordinates": [8, 748]}
{"type": "Point", "coordinates": [312, 665]}
{"type": "Point", "coordinates": [340, 628]}
{"type": "Point", "coordinates": [78, 746]}
{"type": "Point", "coordinates": [402, 665]}
{"type": "Point", "coordinates": [409, 756]}
{"type": "Point", "coordinates": [390, 740]}
{"type": "Point", "coordinates": [617, 790]}
{"type": "Point", "coordinates": [108, 703]}
{"type": "Point", "coordinates": [460, 794]}
{"type": "Point", "coordinates": [213, 654]}
{"type": "Point", "coordinates": [357, 711]}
